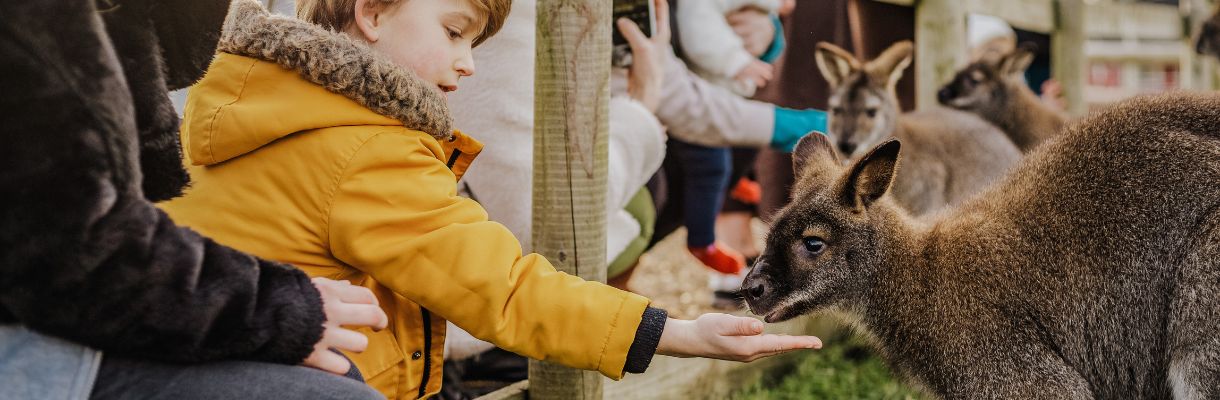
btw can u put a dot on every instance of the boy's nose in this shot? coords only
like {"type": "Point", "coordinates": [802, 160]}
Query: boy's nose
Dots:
{"type": "Point", "coordinates": [465, 66]}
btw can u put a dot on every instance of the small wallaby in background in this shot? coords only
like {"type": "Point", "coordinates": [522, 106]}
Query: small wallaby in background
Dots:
{"type": "Point", "coordinates": [950, 154]}
{"type": "Point", "coordinates": [1208, 42]}
{"type": "Point", "coordinates": [1091, 271]}
{"type": "Point", "coordinates": [995, 90]}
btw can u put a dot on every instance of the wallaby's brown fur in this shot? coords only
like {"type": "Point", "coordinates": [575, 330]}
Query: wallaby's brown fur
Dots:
{"type": "Point", "coordinates": [1208, 41]}
{"type": "Point", "coordinates": [1091, 271]}
{"type": "Point", "coordinates": [950, 155]}
{"type": "Point", "coordinates": [995, 90]}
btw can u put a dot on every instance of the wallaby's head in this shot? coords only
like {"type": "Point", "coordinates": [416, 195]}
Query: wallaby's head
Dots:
{"type": "Point", "coordinates": [985, 86]}
{"type": "Point", "coordinates": [825, 246]}
{"type": "Point", "coordinates": [1208, 42]}
{"type": "Point", "coordinates": [863, 106]}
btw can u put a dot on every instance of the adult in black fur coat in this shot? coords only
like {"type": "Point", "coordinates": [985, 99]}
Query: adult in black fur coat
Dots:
{"type": "Point", "coordinates": [88, 139]}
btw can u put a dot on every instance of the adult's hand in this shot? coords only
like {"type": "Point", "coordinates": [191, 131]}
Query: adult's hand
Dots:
{"type": "Point", "coordinates": [727, 337]}
{"type": "Point", "coordinates": [644, 78]}
{"type": "Point", "coordinates": [345, 305]}
{"type": "Point", "coordinates": [755, 28]}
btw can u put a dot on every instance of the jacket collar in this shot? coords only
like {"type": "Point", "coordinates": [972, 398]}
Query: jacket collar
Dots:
{"type": "Point", "coordinates": [338, 63]}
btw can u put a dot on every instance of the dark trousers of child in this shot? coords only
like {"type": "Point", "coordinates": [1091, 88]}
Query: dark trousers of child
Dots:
{"type": "Point", "coordinates": [702, 178]}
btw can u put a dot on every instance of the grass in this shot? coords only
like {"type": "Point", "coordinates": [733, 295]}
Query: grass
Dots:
{"type": "Point", "coordinates": [843, 370]}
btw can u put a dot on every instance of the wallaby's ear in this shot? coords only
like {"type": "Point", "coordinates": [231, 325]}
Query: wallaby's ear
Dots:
{"type": "Point", "coordinates": [835, 63]}
{"type": "Point", "coordinates": [1018, 61]}
{"type": "Point", "coordinates": [872, 176]}
{"type": "Point", "coordinates": [814, 147]}
{"type": "Point", "coordinates": [893, 62]}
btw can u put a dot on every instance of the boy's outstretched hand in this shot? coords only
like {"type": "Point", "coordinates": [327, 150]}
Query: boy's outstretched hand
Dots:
{"type": "Point", "coordinates": [727, 337]}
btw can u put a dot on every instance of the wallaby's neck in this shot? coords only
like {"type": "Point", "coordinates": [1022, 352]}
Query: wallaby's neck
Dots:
{"type": "Point", "coordinates": [912, 281]}
{"type": "Point", "coordinates": [1025, 118]}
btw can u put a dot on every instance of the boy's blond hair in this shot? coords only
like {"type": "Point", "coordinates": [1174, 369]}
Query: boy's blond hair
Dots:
{"type": "Point", "coordinates": [336, 15]}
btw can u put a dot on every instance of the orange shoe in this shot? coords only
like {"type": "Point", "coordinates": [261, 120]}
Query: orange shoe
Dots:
{"type": "Point", "coordinates": [719, 258]}
{"type": "Point", "coordinates": [746, 191]}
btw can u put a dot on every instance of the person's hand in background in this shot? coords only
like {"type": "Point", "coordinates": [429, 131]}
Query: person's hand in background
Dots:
{"type": "Point", "coordinates": [754, 27]}
{"type": "Point", "coordinates": [646, 71]}
{"type": "Point", "coordinates": [345, 306]}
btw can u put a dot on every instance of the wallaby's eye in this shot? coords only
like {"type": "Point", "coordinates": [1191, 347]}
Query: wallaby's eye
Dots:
{"type": "Point", "coordinates": [872, 112]}
{"type": "Point", "coordinates": [837, 110]}
{"type": "Point", "coordinates": [814, 245]}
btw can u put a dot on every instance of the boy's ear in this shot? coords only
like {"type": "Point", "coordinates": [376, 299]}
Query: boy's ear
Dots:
{"type": "Point", "coordinates": [835, 63]}
{"type": "Point", "coordinates": [813, 148]}
{"type": "Point", "coordinates": [871, 177]}
{"type": "Point", "coordinates": [366, 19]}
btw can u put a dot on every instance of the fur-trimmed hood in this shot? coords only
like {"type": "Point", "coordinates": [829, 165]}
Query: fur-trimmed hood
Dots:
{"type": "Point", "coordinates": [338, 63]}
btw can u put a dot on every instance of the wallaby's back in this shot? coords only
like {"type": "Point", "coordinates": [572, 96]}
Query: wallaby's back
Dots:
{"type": "Point", "coordinates": [948, 157]}
{"type": "Point", "coordinates": [1103, 249]}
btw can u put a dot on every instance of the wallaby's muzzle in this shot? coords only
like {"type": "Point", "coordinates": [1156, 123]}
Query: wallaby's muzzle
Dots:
{"type": "Point", "coordinates": [1208, 37]}
{"type": "Point", "coordinates": [757, 291]}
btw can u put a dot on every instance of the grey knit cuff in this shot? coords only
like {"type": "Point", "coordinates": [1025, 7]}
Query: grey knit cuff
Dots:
{"type": "Point", "coordinates": [647, 336]}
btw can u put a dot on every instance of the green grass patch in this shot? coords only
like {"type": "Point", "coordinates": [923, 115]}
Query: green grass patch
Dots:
{"type": "Point", "coordinates": [844, 369]}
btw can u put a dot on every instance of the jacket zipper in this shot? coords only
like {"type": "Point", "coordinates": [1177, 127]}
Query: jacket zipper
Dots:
{"type": "Point", "coordinates": [423, 383]}
{"type": "Point", "coordinates": [453, 158]}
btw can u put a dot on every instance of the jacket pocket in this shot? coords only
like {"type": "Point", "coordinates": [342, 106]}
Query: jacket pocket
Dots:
{"type": "Point", "coordinates": [382, 354]}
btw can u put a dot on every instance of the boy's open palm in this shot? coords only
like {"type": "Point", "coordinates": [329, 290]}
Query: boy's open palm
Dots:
{"type": "Point", "coordinates": [727, 337]}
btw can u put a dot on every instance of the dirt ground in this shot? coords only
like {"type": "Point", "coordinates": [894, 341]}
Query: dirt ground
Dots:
{"type": "Point", "coordinates": [675, 280]}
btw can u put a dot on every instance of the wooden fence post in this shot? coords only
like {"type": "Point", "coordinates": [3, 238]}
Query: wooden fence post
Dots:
{"type": "Point", "coordinates": [571, 106]}
{"type": "Point", "coordinates": [940, 46]}
{"type": "Point", "coordinates": [1067, 53]}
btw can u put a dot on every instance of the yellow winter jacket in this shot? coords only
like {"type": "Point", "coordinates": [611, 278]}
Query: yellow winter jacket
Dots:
{"type": "Point", "coordinates": [287, 170]}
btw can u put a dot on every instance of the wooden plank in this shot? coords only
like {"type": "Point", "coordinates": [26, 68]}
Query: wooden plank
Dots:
{"type": "Point", "coordinates": [1030, 15]}
{"type": "Point", "coordinates": [572, 95]}
{"type": "Point", "coordinates": [1067, 53]}
{"type": "Point", "coordinates": [908, 3]}
{"type": "Point", "coordinates": [940, 46]}
{"type": "Point", "coordinates": [1107, 20]}
{"type": "Point", "coordinates": [516, 391]}
{"type": "Point", "coordinates": [701, 378]}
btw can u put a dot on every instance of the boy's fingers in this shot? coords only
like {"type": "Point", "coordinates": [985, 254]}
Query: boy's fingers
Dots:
{"type": "Point", "coordinates": [328, 361]}
{"type": "Point", "coordinates": [741, 326]}
{"type": "Point", "coordinates": [346, 339]}
{"type": "Point", "coordinates": [782, 343]}
{"type": "Point", "coordinates": [359, 315]}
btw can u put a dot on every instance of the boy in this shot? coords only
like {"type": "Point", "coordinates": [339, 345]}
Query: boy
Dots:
{"type": "Point", "coordinates": [331, 150]}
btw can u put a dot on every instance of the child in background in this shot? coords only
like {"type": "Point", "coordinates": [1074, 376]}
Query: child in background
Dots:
{"type": "Point", "coordinates": [326, 144]}
{"type": "Point", "coordinates": [717, 53]}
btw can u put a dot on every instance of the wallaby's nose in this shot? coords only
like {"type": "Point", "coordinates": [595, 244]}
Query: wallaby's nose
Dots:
{"type": "Point", "coordinates": [944, 95]}
{"type": "Point", "coordinates": [846, 148]}
{"type": "Point", "coordinates": [756, 290]}
{"type": "Point", "coordinates": [1209, 29]}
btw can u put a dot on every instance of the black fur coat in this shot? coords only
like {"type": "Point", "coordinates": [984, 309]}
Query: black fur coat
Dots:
{"type": "Point", "coordinates": [88, 138]}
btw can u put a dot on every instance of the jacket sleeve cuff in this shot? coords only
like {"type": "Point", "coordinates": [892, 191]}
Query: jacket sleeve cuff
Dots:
{"type": "Point", "coordinates": [647, 336]}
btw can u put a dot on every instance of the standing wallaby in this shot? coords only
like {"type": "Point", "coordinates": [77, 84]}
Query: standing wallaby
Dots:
{"type": "Point", "coordinates": [995, 90]}
{"type": "Point", "coordinates": [1208, 42]}
{"type": "Point", "coordinates": [1091, 271]}
{"type": "Point", "coordinates": [950, 154]}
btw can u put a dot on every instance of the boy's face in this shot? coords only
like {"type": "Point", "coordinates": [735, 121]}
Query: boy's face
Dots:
{"type": "Point", "coordinates": [431, 37]}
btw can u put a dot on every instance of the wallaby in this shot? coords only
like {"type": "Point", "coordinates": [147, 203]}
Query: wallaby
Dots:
{"type": "Point", "coordinates": [950, 154]}
{"type": "Point", "coordinates": [1208, 42]}
{"type": "Point", "coordinates": [995, 90]}
{"type": "Point", "coordinates": [1091, 271]}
